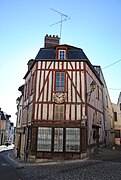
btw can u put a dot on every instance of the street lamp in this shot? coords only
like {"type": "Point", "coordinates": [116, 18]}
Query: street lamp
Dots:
{"type": "Point", "coordinates": [93, 86]}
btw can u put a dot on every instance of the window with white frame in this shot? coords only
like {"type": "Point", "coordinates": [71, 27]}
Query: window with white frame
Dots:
{"type": "Point", "coordinates": [73, 139]}
{"type": "Point", "coordinates": [44, 139]}
{"type": "Point", "coordinates": [62, 54]}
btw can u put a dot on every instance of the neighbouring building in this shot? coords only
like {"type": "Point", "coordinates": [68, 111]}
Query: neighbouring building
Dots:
{"type": "Point", "coordinates": [20, 128]}
{"type": "Point", "coordinates": [61, 108]}
{"type": "Point", "coordinates": [117, 121]}
{"type": "Point", "coordinates": [11, 132]}
{"type": "Point", "coordinates": [6, 126]}
{"type": "Point", "coordinates": [107, 111]}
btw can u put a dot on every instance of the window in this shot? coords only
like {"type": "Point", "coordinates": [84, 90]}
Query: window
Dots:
{"type": "Point", "coordinates": [20, 116]}
{"type": "Point", "coordinates": [73, 139]}
{"type": "Point", "coordinates": [59, 112]}
{"type": "Point", "coordinates": [62, 54]}
{"type": "Point", "coordinates": [97, 92]}
{"type": "Point", "coordinates": [106, 101]}
{"type": "Point", "coordinates": [58, 139]}
{"type": "Point", "coordinates": [117, 133]}
{"type": "Point", "coordinates": [44, 139]}
{"type": "Point", "coordinates": [115, 116]}
{"type": "Point", "coordinates": [32, 82]}
{"type": "Point", "coordinates": [29, 86]}
{"type": "Point", "coordinates": [120, 106]}
{"type": "Point", "coordinates": [60, 81]}
{"type": "Point", "coordinates": [25, 92]}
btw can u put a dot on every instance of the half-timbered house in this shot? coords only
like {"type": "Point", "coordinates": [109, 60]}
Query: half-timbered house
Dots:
{"type": "Point", "coordinates": [62, 108]}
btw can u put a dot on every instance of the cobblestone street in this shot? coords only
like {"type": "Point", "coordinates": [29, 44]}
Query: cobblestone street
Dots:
{"type": "Point", "coordinates": [87, 170]}
{"type": "Point", "coordinates": [105, 165]}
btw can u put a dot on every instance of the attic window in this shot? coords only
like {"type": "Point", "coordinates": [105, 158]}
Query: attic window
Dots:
{"type": "Point", "coordinates": [62, 54]}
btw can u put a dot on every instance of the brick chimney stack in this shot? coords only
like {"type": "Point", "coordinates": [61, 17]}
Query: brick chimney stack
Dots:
{"type": "Point", "coordinates": [51, 41]}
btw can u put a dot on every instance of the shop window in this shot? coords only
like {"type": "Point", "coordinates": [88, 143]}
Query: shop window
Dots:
{"type": "Point", "coordinates": [58, 139]}
{"type": "Point", "coordinates": [44, 139]}
{"type": "Point", "coordinates": [73, 139]}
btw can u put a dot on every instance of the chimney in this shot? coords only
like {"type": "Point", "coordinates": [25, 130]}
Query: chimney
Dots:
{"type": "Point", "coordinates": [51, 41]}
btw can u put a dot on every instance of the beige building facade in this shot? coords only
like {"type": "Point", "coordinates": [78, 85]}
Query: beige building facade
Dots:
{"type": "Point", "coordinates": [117, 121]}
{"type": "Point", "coordinates": [108, 114]}
{"type": "Point", "coordinates": [5, 128]}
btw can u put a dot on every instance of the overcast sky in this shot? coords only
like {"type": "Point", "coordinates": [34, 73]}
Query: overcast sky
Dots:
{"type": "Point", "coordinates": [94, 26]}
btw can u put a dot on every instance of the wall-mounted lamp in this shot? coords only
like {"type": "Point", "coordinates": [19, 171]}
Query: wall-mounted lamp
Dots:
{"type": "Point", "coordinates": [93, 86]}
{"type": "Point", "coordinates": [18, 101]}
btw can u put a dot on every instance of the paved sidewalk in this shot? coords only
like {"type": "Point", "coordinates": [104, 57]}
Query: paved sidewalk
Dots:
{"type": "Point", "coordinates": [18, 163]}
{"type": "Point", "coordinates": [109, 151]}
{"type": "Point", "coordinates": [108, 154]}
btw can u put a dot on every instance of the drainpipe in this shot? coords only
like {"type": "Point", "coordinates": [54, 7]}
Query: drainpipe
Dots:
{"type": "Point", "coordinates": [27, 118]}
{"type": "Point", "coordinates": [103, 106]}
{"type": "Point", "coordinates": [26, 135]}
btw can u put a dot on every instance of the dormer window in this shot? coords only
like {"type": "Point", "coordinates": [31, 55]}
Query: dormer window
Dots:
{"type": "Point", "coordinates": [62, 54]}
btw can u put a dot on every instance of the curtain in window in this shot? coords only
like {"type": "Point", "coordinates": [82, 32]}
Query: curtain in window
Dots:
{"type": "Point", "coordinates": [44, 139]}
{"type": "Point", "coordinates": [73, 139]}
{"type": "Point", "coordinates": [58, 139]}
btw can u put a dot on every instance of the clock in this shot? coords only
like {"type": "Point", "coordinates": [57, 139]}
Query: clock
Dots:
{"type": "Point", "coordinates": [59, 97]}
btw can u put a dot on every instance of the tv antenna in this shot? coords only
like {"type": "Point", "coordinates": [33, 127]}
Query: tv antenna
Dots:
{"type": "Point", "coordinates": [64, 17]}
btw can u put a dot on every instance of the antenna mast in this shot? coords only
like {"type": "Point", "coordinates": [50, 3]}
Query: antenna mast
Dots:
{"type": "Point", "coordinates": [62, 19]}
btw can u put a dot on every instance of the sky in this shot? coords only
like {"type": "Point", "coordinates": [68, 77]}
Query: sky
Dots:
{"type": "Point", "coordinates": [94, 26]}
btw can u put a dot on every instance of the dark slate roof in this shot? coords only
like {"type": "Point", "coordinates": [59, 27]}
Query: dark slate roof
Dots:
{"type": "Point", "coordinates": [76, 54]}
{"type": "Point", "coordinates": [21, 88]}
{"type": "Point", "coordinates": [4, 116]}
{"type": "Point", "coordinates": [50, 53]}
{"type": "Point", "coordinates": [46, 54]}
